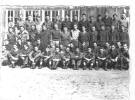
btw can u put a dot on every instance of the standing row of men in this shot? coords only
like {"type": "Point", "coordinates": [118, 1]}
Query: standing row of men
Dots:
{"type": "Point", "coordinates": [36, 43]}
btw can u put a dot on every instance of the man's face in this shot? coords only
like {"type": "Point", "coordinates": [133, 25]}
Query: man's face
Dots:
{"type": "Point", "coordinates": [75, 18]}
{"type": "Point", "coordinates": [66, 17]}
{"type": "Point", "coordinates": [75, 26]}
{"type": "Point", "coordinates": [65, 29]}
{"type": "Point", "coordinates": [107, 44]}
{"type": "Point", "coordinates": [93, 28]}
{"type": "Point", "coordinates": [57, 17]}
{"type": "Point", "coordinates": [38, 41]}
{"type": "Point", "coordinates": [84, 17]}
{"type": "Point", "coordinates": [77, 50]}
{"type": "Point", "coordinates": [33, 27]}
{"type": "Point", "coordinates": [44, 27]}
{"type": "Point", "coordinates": [57, 49]}
{"type": "Point", "coordinates": [113, 47]}
{"type": "Point", "coordinates": [95, 44]}
{"type": "Point", "coordinates": [103, 27]}
{"type": "Point", "coordinates": [47, 17]}
{"type": "Point", "coordinates": [25, 47]}
{"type": "Point", "coordinates": [19, 41]}
{"type": "Point", "coordinates": [67, 49]}
{"type": "Point", "coordinates": [30, 18]}
{"type": "Point", "coordinates": [112, 27]}
{"type": "Point", "coordinates": [10, 30]}
{"type": "Point", "coordinates": [83, 28]}
{"type": "Point", "coordinates": [22, 28]}
{"type": "Point", "coordinates": [101, 50]}
{"type": "Point", "coordinates": [36, 48]}
{"type": "Point", "coordinates": [56, 26]}
{"type": "Point", "coordinates": [29, 43]}
{"type": "Point", "coordinates": [89, 49]}
{"type": "Point", "coordinates": [106, 14]}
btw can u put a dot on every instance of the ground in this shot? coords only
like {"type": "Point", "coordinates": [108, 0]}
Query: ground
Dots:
{"type": "Point", "coordinates": [61, 84]}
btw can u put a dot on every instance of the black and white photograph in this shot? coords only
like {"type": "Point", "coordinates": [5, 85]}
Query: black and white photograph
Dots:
{"type": "Point", "coordinates": [64, 52]}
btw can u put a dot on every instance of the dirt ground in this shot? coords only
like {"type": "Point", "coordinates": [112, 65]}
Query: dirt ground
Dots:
{"type": "Point", "coordinates": [61, 84]}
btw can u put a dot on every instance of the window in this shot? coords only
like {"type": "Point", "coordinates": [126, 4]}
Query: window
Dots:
{"type": "Point", "coordinates": [74, 12]}
{"type": "Point", "coordinates": [54, 14]}
{"type": "Point", "coordinates": [10, 15]}
{"type": "Point", "coordinates": [67, 12]}
{"type": "Point", "coordinates": [27, 14]}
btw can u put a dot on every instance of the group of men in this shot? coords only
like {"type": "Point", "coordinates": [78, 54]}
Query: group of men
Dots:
{"type": "Point", "coordinates": [101, 43]}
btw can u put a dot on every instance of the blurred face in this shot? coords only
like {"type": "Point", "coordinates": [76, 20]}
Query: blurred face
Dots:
{"type": "Point", "coordinates": [113, 47]}
{"type": "Point", "coordinates": [89, 49]}
{"type": "Point", "coordinates": [112, 27]}
{"type": "Point", "coordinates": [36, 48]}
{"type": "Point", "coordinates": [33, 27]}
{"type": "Point", "coordinates": [30, 18]}
{"type": "Point", "coordinates": [65, 29]}
{"type": "Point", "coordinates": [75, 18]}
{"type": "Point", "coordinates": [44, 27]}
{"type": "Point", "coordinates": [83, 29]}
{"type": "Point", "coordinates": [99, 18]}
{"type": "Point", "coordinates": [101, 50]}
{"type": "Point", "coordinates": [57, 49]}
{"type": "Point", "coordinates": [56, 26]}
{"type": "Point", "coordinates": [106, 14]}
{"type": "Point", "coordinates": [84, 17]}
{"type": "Point", "coordinates": [92, 19]}
{"type": "Point", "coordinates": [47, 18]}
{"type": "Point", "coordinates": [75, 26]}
{"type": "Point", "coordinates": [107, 44]}
{"type": "Point", "coordinates": [38, 41]}
{"type": "Point", "coordinates": [115, 16]}
{"type": "Point", "coordinates": [77, 50]}
{"type": "Point", "coordinates": [103, 27]}
{"type": "Point", "coordinates": [66, 17]}
{"type": "Point", "coordinates": [93, 28]}
{"type": "Point", "coordinates": [22, 28]}
{"type": "Point", "coordinates": [19, 41]}
{"type": "Point", "coordinates": [29, 43]}
{"type": "Point", "coordinates": [95, 44]}
{"type": "Point", "coordinates": [61, 46]}
{"type": "Point", "coordinates": [15, 47]}
{"type": "Point", "coordinates": [57, 17]}
{"type": "Point", "coordinates": [10, 30]}
{"type": "Point", "coordinates": [25, 47]}
{"type": "Point", "coordinates": [118, 43]}
{"type": "Point", "coordinates": [125, 47]}
{"type": "Point", "coordinates": [67, 49]}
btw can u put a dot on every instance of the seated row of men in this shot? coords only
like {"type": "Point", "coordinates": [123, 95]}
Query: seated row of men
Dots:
{"type": "Point", "coordinates": [106, 56]}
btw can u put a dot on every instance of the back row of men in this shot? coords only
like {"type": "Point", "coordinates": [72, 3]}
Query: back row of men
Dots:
{"type": "Point", "coordinates": [82, 33]}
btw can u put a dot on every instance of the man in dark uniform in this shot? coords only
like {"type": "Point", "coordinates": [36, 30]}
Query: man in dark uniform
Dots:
{"type": "Point", "coordinates": [75, 21]}
{"type": "Point", "coordinates": [67, 23]}
{"type": "Point", "coordinates": [35, 57]}
{"type": "Point", "coordinates": [48, 23]}
{"type": "Point", "coordinates": [14, 56]}
{"type": "Point", "coordinates": [58, 22]}
{"type": "Point", "coordinates": [113, 57]}
{"type": "Point", "coordinates": [83, 22]}
{"type": "Point", "coordinates": [55, 59]}
{"type": "Point", "coordinates": [98, 23]}
{"type": "Point", "coordinates": [66, 57]}
{"type": "Point", "coordinates": [83, 39]}
{"type": "Point", "coordinates": [102, 59]}
{"type": "Point", "coordinates": [107, 20]}
{"type": "Point", "coordinates": [95, 52]}
{"type": "Point", "coordinates": [93, 35]}
{"type": "Point", "coordinates": [76, 59]}
{"type": "Point", "coordinates": [29, 23]}
{"type": "Point", "coordinates": [113, 34]}
{"type": "Point", "coordinates": [104, 34]}
{"type": "Point", "coordinates": [33, 33]}
{"type": "Point", "coordinates": [91, 23]}
{"type": "Point", "coordinates": [25, 55]}
{"type": "Point", "coordinates": [88, 59]}
{"type": "Point", "coordinates": [115, 21]}
{"type": "Point", "coordinates": [55, 35]}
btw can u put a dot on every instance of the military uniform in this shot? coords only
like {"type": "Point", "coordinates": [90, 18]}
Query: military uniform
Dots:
{"type": "Point", "coordinates": [49, 24]}
{"type": "Point", "coordinates": [88, 60]}
{"type": "Point", "coordinates": [83, 40]}
{"type": "Point", "coordinates": [76, 60]}
{"type": "Point", "coordinates": [67, 23]}
{"type": "Point", "coordinates": [83, 23]}
{"type": "Point", "coordinates": [29, 24]}
{"type": "Point", "coordinates": [55, 60]}
{"type": "Point", "coordinates": [14, 57]}
{"type": "Point", "coordinates": [35, 57]}
{"type": "Point", "coordinates": [103, 36]}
